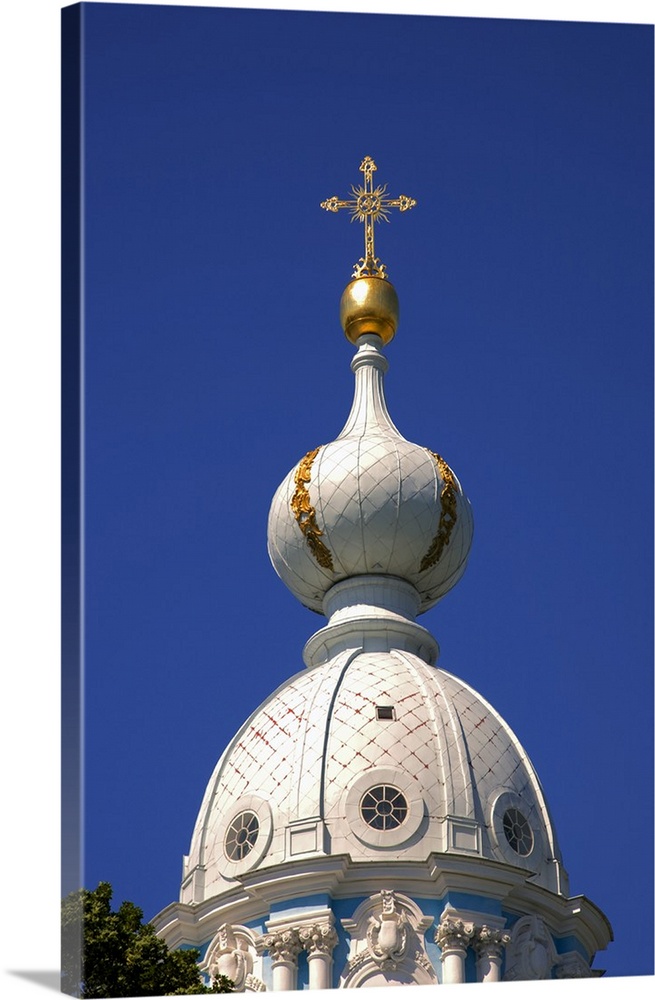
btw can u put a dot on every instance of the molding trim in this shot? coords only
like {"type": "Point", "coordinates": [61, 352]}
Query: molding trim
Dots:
{"type": "Point", "coordinates": [336, 876]}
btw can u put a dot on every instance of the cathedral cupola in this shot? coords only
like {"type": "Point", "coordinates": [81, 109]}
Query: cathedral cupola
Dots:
{"type": "Point", "coordinates": [375, 822]}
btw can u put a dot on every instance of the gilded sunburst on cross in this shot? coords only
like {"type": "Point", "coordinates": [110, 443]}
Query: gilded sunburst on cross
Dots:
{"type": "Point", "coordinates": [369, 205]}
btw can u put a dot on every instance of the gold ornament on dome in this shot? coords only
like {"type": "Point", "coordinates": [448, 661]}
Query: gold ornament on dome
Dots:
{"type": "Point", "coordinates": [305, 514]}
{"type": "Point", "coordinates": [369, 205]}
{"type": "Point", "coordinates": [448, 515]}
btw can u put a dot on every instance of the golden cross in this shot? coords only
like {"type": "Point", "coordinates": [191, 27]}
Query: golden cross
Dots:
{"type": "Point", "coordinates": [369, 205]}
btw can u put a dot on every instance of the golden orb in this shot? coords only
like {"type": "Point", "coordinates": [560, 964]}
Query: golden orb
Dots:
{"type": "Point", "coordinates": [369, 305]}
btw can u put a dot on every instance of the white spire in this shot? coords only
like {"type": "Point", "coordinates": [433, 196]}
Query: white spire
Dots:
{"type": "Point", "coordinates": [369, 414]}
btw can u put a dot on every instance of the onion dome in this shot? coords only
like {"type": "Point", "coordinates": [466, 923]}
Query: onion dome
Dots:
{"type": "Point", "coordinates": [369, 502]}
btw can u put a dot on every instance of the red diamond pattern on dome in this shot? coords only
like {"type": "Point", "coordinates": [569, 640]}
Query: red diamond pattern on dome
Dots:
{"type": "Point", "coordinates": [260, 757]}
{"type": "Point", "coordinates": [308, 761]}
{"type": "Point", "coordinates": [407, 742]}
{"type": "Point", "coordinates": [498, 764]}
{"type": "Point", "coordinates": [320, 733]}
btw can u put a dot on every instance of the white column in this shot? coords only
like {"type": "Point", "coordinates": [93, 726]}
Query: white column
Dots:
{"type": "Point", "coordinates": [284, 948]}
{"type": "Point", "coordinates": [284, 975]}
{"type": "Point", "coordinates": [489, 943]}
{"type": "Point", "coordinates": [453, 937]}
{"type": "Point", "coordinates": [318, 941]}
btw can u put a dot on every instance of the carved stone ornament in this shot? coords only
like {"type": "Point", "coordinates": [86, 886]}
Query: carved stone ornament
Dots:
{"type": "Point", "coordinates": [318, 939]}
{"type": "Point", "coordinates": [490, 941]}
{"type": "Point", "coordinates": [531, 953]}
{"type": "Point", "coordinates": [422, 959]}
{"type": "Point", "coordinates": [453, 934]}
{"type": "Point", "coordinates": [283, 946]}
{"type": "Point", "coordinates": [572, 966]}
{"type": "Point", "coordinates": [230, 955]}
{"type": "Point", "coordinates": [254, 985]}
{"type": "Point", "coordinates": [354, 963]}
{"type": "Point", "coordinates": [387, 934]}
{"type": "Point", "coordinates": [386, 937]}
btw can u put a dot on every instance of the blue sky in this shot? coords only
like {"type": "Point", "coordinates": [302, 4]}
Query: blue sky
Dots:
{"type": "Point", "coordinates": [214, 360]}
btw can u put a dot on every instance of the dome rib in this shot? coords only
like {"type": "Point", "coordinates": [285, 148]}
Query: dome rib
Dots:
{"type": "Point", "coordinates": [362, 535]}
{"type": "Point", "coordinates": [417, 673]}
{"type": "Point", "coordinates": [335, 693]}
{"type": "Point", "coordinates": [399, 499]}
{"type": "Point", "coordinates": [554, 853]}
{"type": "Point", "coordinates": [463, 763]}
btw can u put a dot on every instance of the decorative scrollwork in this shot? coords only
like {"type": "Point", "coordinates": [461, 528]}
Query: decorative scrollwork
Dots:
{"type": "Point", "coordinates": [230, 955]}
{"type": "Point", "coordinates": [387, 934]}
{"type": "Point", "coordinates": [254, 985]}
{"type": "Point", "coordinates": [448, 515]}
{"type": "Point", "coordinates": [367, 267]}
{"type": "Point", "coordinates": [305, 514]}
{"type": "Point", "coordinates": [331, 204]}
{"type": "Point", "coordinates": [422, 959]}
{"type": "Point", "coordinates": [405, 203]}
{"type": "Point", "coordinates": [357, 960]}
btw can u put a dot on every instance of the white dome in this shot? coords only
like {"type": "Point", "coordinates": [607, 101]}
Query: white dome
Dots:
{"type": "Point", "coordinates": [298, 776]}
{"type": "Point", "coordinates": [370, 502]}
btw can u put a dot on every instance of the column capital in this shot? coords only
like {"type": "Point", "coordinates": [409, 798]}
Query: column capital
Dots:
{"type": "Point", "coordinates": [318, 938]}
{"type": "Point", "coordinates": [283, 945]}
{"type": "Point", "coordinates": [453, 934]}
{"type": "Point", "coordinates": [490, 941]}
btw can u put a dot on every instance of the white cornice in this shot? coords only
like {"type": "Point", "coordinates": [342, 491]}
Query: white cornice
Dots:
{"type": "Point", "coordinates": [576, 916]}
{"type": "Point", "coordinates": [339, 877]}
{"type": "Point", "coordinates": [472, 917]}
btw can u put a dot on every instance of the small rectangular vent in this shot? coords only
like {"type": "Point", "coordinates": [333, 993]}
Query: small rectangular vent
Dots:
{"type": "Point", "coordinates": [385, 712]}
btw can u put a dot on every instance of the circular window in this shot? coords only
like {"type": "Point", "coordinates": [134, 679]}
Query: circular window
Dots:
{"type": "Point", "coordinates": [378, 813]}
{"type": "Point", "coordinates": [517, 832]}
{"type": "Point", "coordinates": [383, 807]}
{"type": "Point", "coordinates": [241, 836]}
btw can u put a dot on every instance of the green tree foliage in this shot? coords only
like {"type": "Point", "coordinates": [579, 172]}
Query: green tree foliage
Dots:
{"type": "Point", "coordinates": [109, 953]}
